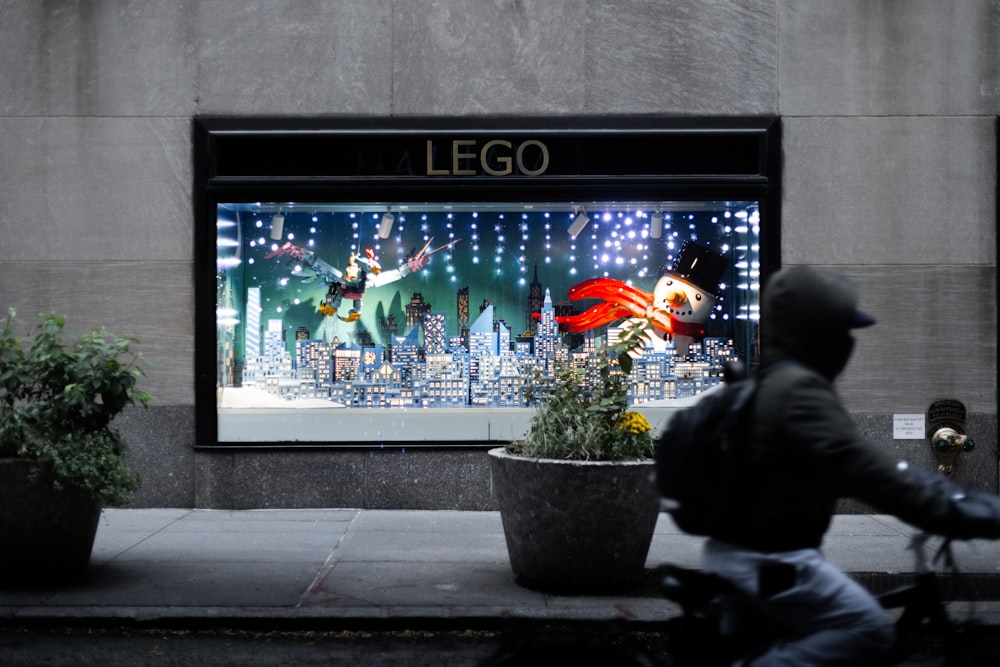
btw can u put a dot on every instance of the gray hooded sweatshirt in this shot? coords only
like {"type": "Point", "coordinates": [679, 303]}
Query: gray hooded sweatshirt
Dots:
{"type": "Point", "coordinates": [805, 451]}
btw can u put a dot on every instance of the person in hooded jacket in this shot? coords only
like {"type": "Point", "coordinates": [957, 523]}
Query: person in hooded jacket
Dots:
{"type": "Point", "coordinates": [804, 454]}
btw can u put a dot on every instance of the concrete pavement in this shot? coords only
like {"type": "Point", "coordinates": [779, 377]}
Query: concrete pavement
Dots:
{"type": "Point", "coordinates": [376, 568]}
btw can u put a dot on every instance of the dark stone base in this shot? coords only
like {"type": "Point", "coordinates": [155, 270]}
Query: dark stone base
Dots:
{"type": "Point", "coordinates": [389, 478]}
{"type": "Point", "coordinates": [162, 447]}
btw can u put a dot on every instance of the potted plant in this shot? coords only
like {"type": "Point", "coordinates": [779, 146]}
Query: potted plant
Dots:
{"type": "Point", "coordinates": [60, 459]}
{"type": "Point", "coordinates": [576, 494]}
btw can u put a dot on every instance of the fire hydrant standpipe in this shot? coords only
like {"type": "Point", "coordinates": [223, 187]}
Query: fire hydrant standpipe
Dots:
{"type": "Point", "coordinates": [946, 433]}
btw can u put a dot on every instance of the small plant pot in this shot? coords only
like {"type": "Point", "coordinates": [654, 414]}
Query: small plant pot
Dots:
{"type": "Point", "coordinates": [575, 526]}
{"type": "Point", "coordinates": [46, 534]}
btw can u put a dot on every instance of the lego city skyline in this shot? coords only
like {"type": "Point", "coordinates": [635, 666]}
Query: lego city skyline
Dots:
{"type": "Point", "coordinates": [499, 268]}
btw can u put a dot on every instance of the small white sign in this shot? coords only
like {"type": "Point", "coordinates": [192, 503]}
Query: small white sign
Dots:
{"type": "Point", "coordinates": [908, 427]}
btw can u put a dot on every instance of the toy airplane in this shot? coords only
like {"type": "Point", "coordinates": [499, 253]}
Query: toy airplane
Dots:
{"type": "Point", "coordinates": [361, 272]}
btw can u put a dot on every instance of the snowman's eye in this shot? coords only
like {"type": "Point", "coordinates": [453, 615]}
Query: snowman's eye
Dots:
{"type": "Point", "coordinates": [670, 282]}
{"type": "Point", "coordinates": [697, 297]}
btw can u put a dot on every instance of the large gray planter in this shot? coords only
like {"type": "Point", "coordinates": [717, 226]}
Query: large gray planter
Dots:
{"type": "Point", "coordinates": [575, 526]}
{"type": "Point", "coordinates": [46, 534]}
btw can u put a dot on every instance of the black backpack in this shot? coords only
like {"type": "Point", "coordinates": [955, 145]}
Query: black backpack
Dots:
{"type": "Point", "coordinates": [699, 455]}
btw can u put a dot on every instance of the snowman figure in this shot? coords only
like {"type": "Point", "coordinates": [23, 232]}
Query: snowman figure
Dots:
{"type": "Point", "coordinates": [688, 291]}
{"type": "Point", "coordinates": [676, 310]}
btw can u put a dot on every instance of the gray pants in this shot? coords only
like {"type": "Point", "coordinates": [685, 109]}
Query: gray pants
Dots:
{"type": "Point", "coordinates": [838, 621]}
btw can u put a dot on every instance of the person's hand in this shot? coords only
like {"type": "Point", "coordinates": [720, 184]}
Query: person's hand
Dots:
{"type": "Point", "coordinates": [976, 514]}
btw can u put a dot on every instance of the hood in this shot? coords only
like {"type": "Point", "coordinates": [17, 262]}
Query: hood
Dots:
{"type": "Point", "coordinates": [807, 314]}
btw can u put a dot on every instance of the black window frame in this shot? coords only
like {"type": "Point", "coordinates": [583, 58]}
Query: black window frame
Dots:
{"type": "Point", "coordinates": [386, 159]}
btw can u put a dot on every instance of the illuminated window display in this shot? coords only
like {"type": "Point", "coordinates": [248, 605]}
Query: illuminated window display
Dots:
{"type": "Point", "coordinates": [424, 319]}
{"type": "Point", "coordinates": [460, 304]}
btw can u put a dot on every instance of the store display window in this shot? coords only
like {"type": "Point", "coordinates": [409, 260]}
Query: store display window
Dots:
{"type": "Point", "coordinates": [407, 291]}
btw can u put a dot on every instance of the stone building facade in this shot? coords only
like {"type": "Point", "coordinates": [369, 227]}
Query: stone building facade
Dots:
{"type": "Point", "coordinates": [889, 138]}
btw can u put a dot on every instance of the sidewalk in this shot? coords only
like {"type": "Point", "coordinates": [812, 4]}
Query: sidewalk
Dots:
{"type": "Point", "coordinates": [376, 568]}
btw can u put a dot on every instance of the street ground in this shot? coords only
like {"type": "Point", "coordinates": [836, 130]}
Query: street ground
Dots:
{"type": "Point", "coordinates": [121, 646]}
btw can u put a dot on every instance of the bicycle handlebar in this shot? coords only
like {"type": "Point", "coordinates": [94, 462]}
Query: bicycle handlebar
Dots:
{"type": "Point", "coordinates": [973, 514]}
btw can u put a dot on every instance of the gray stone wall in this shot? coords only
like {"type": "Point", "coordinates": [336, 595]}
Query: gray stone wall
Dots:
{"type": "Point", "coordinates": [889, 137]}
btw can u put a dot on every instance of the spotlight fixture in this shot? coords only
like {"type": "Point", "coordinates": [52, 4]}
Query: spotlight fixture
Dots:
{"type": "Point", "coordinates": [656, 225]}
{"type": "Point", "coordinates": [277, 226]}
{"type": "Point", "coordinates": [579, 223]}
{"type": "Point", "coordinates": [385, 228]}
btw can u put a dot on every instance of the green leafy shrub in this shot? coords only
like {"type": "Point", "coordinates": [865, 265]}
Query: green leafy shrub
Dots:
{"type": "Point", "coordinates": [58, 398]}
{"type": "Point", "coordinates": [584, 420]}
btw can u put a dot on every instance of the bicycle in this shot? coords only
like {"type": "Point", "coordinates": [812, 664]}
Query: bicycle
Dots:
{"type": "Point", "coordinates": [695, 637]}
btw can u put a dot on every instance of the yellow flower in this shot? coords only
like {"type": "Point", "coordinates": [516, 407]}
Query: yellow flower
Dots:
{"type": "Point", "coordinates": [633, 422]}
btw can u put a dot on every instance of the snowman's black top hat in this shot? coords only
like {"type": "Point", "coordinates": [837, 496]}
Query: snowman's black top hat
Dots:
{"type": "Point", "coordinates": [700, 266]}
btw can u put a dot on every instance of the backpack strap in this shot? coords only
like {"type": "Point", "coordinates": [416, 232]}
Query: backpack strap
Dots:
{"type": "Point", "coordinates": [777, 366]}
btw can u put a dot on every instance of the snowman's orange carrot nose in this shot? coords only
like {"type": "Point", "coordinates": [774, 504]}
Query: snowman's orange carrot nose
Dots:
{"type": "Point", "coordinates": [676, 297]}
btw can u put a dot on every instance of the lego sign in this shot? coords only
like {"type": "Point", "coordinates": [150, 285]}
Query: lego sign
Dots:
{"type": "Point", "coordinates": [496, 157]}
